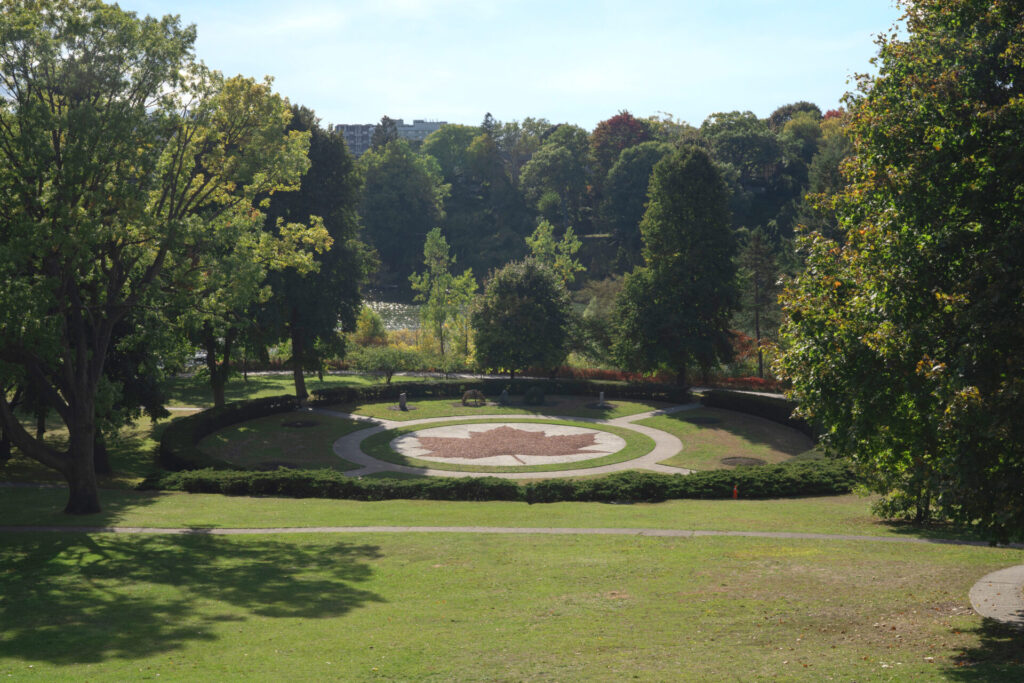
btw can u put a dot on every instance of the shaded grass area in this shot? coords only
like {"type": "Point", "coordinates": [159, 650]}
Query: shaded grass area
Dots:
{"type": "Point", "coordinates": [194, 390]}
{"type": "Point", "coordinates": [711, 434]}
{"type": "Point", "coordinates": [465, 607]}
{"type": "Point", "coordinates": [132, 453]}
{"type": "Point", "coordinates": [268, 442]}
{"type": "Point", "coordinates": [832, 515]}
{"type": "Point", "coordinates": [378, 446]}
{"type": "Point", "coordinates": [561, 406]}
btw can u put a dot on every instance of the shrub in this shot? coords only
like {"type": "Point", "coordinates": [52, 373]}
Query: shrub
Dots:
{"type": "Point", "coordinates": [534, 396]}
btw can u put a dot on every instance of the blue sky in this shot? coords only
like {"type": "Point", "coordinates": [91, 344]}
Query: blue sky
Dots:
{"type": "Point", "coordinates": [573, 61]}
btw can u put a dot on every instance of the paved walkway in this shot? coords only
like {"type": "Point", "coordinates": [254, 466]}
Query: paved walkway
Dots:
{"type": "Point", "coordinates": [665, 445]}
{"type": "Point", "coordinates": [544, 531]}
{"type": "Point", "coordinates": [1000, 595]}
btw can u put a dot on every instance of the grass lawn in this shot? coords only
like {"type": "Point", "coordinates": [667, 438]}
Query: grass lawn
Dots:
{"type": "Point", "coordinates": [710, 434]}
{"type": "Point", "coordinates": [379, 447]}
{"type": "Point", "coordinates": [194, 390]}
{"type": "Point", "coordinates": [561, 406]}
{"type": "Point", "coordinates": [468, 607]}
{"type": "Point", "coordinates": [267, 443]}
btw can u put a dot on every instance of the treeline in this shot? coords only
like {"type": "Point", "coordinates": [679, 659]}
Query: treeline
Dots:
{"type": "Point", "coordinates": [488, 186]}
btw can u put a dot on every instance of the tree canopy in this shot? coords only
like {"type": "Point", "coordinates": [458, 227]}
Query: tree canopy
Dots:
{"type": "Point", "coordinates": [904, 338]}
{"type": "Point", "coordinates": [129, 170]}
{"type": "Point", "coordinates": [674, 312]}
{"type": "Point", "coordinates": [523, 318]}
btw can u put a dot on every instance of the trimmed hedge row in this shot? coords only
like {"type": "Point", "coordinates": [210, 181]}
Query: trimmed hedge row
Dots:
{"type": "Point", "coordinates": [814, 478]}
{"type": "Point", "coordinates": [774, 408]}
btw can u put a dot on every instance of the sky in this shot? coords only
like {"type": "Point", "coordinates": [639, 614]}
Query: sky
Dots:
{"type": "Point", "coordinates": [564, 60]}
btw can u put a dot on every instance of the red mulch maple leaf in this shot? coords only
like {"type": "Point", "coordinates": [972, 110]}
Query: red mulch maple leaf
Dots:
{"type": "Point", "coordinates": [505, 441]}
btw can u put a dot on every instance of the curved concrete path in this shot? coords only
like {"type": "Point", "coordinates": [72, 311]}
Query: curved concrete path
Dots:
{"type": "Point", "coordinates": [1000, 595]}
{"type": "Point", "coordinates": [665, 445]}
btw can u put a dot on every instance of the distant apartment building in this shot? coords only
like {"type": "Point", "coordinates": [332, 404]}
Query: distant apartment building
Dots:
{"type": "Point", "coordinates": [358, 135]}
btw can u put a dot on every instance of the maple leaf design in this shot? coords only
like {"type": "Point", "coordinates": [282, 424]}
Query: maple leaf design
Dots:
{"type": "Point", "coordinates": [506, 441]}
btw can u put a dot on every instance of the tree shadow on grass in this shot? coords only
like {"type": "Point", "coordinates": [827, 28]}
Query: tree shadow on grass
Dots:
{"type": "Point", "coordinates": [999, 655]}
{"type": "Point", "coordinates": [753, 429]}
{"type": "Point", "coordinates": [71, 599]}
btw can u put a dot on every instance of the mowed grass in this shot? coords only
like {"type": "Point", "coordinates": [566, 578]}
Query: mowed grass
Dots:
{"type": "Point", "coordinates": [832, 515]}
{"type": "Point", "coordinates": [379, 447]}
{"type": "Point", "coordinates": [269, 442]}
{"type": "Point", "coordinates": [710, 434]}
{"type": "Point", "coordinates": [559, 406]}
{"type": "Point", "coordinates": [473, 607]}
{"type": "Point", "coordinates": [194, 390]}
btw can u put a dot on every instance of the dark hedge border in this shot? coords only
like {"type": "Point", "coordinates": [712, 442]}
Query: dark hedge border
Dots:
{"type": "Point", "coordinates": [789, 480]}
{"type": "Point", "coordinates": [774, 408]}
{"type": "Point", "coordinates": [179, 445]}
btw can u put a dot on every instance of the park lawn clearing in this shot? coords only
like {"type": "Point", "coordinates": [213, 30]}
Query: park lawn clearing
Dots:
{"type": "Point", "coordinates": [269, 442]}
{"type": "Point", "coordinates": [472, 607]}
{"type": "Point", "coordinates": [379, 446]}
{"type": "Point", "coordinates": [847, 514]}
{"type": "Point", "coordinates": [710, 434]}
{"type": "Point", "coordinates": [557, 406]}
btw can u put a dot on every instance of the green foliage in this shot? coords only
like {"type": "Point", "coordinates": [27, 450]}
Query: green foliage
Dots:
{"type": "Point", "coordinates": [307, 308]}
{"type": "Point", "coordinates": [559, 256]}
{"type": "Point", "coordinates": [445, 297]}
{"type": "Point", "coordinates": [131, 182]}
{"type": "Point", "coordinates": [759, 285]}
{"type": "Point", "coordinates": [370, 329]}
{"type": "Point", "coordinates": [625, 196]}
{"type": "Point", "coordinates": [534, 396]}
{"type": "Point", "coordinates": [523, 318]}
{"type": "Point", "coordinates": [674, 312]}
{"type": "Point", "coordinates": [612, 136]}
{"type": "Point", "coordinates": [385, 361]}
{"type": "Point", "coordinates": [403, 200]}
{"type": "Point", "coordinates": [904, 339]}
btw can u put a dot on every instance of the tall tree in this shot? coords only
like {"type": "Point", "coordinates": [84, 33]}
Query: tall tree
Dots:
{"type": "Point", "coordinates": [625, 197]}
{"type": "Point", "coordinates": [674, 312]}
{"type": "Point", "coordinates": [759, 277]}
{"type": "Point", "coordinates": [904, 340]}
{"type": "Point", "coordinates": [523, 319]}
{"type": "Point", "coordinates": [558, 255]}
{"type": "Point", "coordinates": [611, 137]}
{"type": "Point", "coordinates": [385, 132]}
{"type": "Point", "coordinates": [308, 306]}
{"type": "Point", "coordinates": [402, 201]}
{"type": "Point", "coordinates": [127, 170]}
{"type": "Point", "coordinates": [443, 295]}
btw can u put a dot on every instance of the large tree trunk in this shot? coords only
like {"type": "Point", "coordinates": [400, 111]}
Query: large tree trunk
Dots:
{"type": "Point", "coordinates": [219, 371]}
{"type": "Point", "coordinates": [298, 354]}
{"type": "Point", "coordinates": [83, 487]}
{"type": "Point", "coordinates": [100, 455]}
{"type": "Point", "coordinates": [681, 379]}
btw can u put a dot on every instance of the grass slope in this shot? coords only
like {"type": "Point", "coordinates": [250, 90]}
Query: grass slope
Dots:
{"type": "Point", "coordinates": [464, 607]}
{"type": "Point", "coordinates": [710, 434]}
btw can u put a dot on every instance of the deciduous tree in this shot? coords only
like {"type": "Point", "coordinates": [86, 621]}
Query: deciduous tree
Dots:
{"type": "Point", "coordinates": [674, 312]}
{"type": "Point", "coordinates": [904, 340]}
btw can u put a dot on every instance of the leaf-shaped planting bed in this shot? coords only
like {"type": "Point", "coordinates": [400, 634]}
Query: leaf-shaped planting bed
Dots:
{"type": "Point", "coordinates": [506, 441]}
{"type": "Point", "coordinates": [511, 446]}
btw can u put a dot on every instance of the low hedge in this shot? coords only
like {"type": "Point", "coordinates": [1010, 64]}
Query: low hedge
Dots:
{"type": "Point", "coordinates": [814, 478]}
{"type": "Point", "coordinates": [774, 408]}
